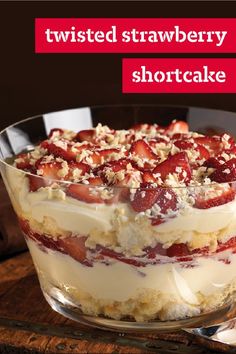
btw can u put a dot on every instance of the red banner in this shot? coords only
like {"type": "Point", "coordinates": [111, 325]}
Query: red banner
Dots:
{"type": "Point", "coordinates": [135, 35]}
{"type": "Point", "coordinates": [180, 75]}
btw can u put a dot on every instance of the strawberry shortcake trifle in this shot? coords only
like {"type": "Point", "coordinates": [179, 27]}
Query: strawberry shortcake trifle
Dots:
{"type": "Point", "coordinates": [135, 224]}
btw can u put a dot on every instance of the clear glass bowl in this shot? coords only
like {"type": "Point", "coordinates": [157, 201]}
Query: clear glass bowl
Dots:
{"type": "Point", "coordinates": [100, 262]}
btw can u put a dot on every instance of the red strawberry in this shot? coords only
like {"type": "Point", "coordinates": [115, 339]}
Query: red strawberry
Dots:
{"type": "Point", "coordinates": [86, 135]}
{"type": "Point", "coordinates": [75, 247]}
{"type": "Point", "coordinates": [95, 181]}
{"type": "Point", "coordinates": [231, 150]}
{"type": "Point", "coordinates": [226, 197]}
{"type": "Point", "coordinates": [148, 177]}
{"type": "Point", "coordinates": [36, 182]}
{"type": "Point", "coordinates": [85, 168]}
{"type": "Point", "coordinates": [99, 154]}
{"type": "Point", "coordinates": [85, 193]}
{"type": "Point", "coordinates": [183, 144]}
{"type": "Point", "coordinates": [180, 136]}
{"type": "Point", "coordinates": [203, 152]}
{"type": "Point", "coordinates": [178, 250]}
{"type": "Point", "coordinates": [68, 154]}
{"type": "Point", "coordinates": [212, 162]}
{"type": "Point", "coordinates": [140, 126]}
{"type": "Point", "coordinates": [145, 198]}
{"type": "Point", "coordinates": [115, 166]}
{"type": "Point", "coordinates": [24, 163]}
{"type": "Point", "coordinates": [55, 130]}
{"type": "Point", "coordinates": [225, 172]}
{"type": "Point", "coordinates": [187, 145]}
{"type": "Point", "coordinates": [49, 172]}
{"type": "Point", "coordinates": [153, 251]}
{"type": "Point", "coordinates": [143, 150]}
{"type": "Point", "coordinates": [154, 142]}
{"type": "Point", "coordinates": [171, 165]}
{"type": "Point", "coordinates": [212, 143]}
{"type": "Point", "coordinates": [178, 126]}
{"type": "Point", "coordinates": [166, 201]}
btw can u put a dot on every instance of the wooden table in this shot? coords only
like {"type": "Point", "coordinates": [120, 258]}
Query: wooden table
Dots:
{"type": "Point", "coordinates": [28, 325]}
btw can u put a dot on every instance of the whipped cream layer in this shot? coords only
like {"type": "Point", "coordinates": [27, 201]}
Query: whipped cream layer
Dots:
{"type": "Point", "coordinates": [117, 225]}
{"type": "Point", "coordinates": [190, 287]}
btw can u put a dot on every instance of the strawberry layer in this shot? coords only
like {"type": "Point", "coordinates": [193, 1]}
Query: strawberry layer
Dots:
{"type": "Point", "coordinates": [76, 248]}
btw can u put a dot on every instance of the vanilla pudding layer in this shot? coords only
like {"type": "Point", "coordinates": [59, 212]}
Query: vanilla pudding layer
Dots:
{"type": "Point", "coordinates": [164, 291]}
{"type": "Point", "coordinates": [53, 213]}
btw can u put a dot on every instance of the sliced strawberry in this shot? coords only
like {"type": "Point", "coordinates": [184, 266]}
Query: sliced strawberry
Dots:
{"type": "Point", "coordinates": [36, 182]}
{"type": "Point", "coordinates": [231, 150]}
{"type": "Point", "coordinates": [144, 198]}
{"type": "Point", "coordinates": [115, 166]}
{"type": "Point", "coordinates": [212, 162]}
{"type": "Point", "coordinates": [73, 165]}
{"type": "Point", "coordinates": [140, 127]}
{"type": "Point", "coordinates": [74, 247]}
{"type": "Point", "coordinates": [177, 127]}
{"type": "Point", "coordinates": [68, 154]}
{"type": "Point", "coordinates": [178, 250]}
{"type": "Point", "coordinates": [225, 172]}
{"type": "Point", "coordinates": [95, 181]}
{"type": "Point", "coordinates": [86, 135]}
{"type": "Point", "coordinates": [156, 141]}
{"type": "Point", "coordinates": [100, 155]}
{"type": "Point", "coordinates": [55, 130]}
{"type": "Point", "coordinates": [152, 252]}
{"type": "Point", "coordinates": [183, 144]}
{"type": "Point", "coordinates": [166, 201]}
{"type": "Point", "coordinates": [180, 136]}
{"type": "Point", "coordinates": [203, 152]}
{"type": "Point", "coordinates": [143, 150]}
{"type": "Point", "coordinates": [23, 162]}
{"type": "Point", "coordinates": [148, 177]}
{"type": "Point", "coordinates": [49, 172]}
{"type": "Point", "coordinates": [204, 203]}
{"type": "Point", "coordinates": [84, 193]}
{"type": "Point", "coordinates": [212, 143]}
{"type": "Point", "coordinates": [172, 164]}
{"type": "Point", "coordinates": [187, 145]}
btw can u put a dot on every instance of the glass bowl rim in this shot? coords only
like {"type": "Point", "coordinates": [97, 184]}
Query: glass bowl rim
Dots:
{"type": "Point", "coordinates": [62, 182]}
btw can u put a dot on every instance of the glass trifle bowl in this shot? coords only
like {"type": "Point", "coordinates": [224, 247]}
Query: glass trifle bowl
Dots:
{"type": "Point", "coordinates": [131, 226]}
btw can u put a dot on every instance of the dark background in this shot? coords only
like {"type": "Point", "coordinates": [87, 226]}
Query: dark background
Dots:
{"type": "Point", "coordinates": [36, 83]}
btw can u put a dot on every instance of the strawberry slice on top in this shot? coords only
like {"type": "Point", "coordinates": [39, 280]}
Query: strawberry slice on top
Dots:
{"type": "Point", "coordinates": [85, 192]}
{"type": "Point", "coordinates": [212, 143]}
{"type": "Point", "coordinates": [178, 126]}
{"type": "Point", "coordinates": [145, 197]}
{"type": "Point", "coordinates": [100, 156]}
{"type": "Point", "coordinates": [23, 162]}
{"type": "Point", "coordinates": [178, 164]}
{"type": "Point", "coordinates": [225, 172]}
{"type": "Point", "coordinates": [206, 202]}
{"type": "Point", "coordinates": [86, 135]}
{"type": "Point", "coordinates": [187, 145]}
{"type": "Point", "coordinates": [143, 150]}
{"type": "Point", "coordinates": [66, 150]}
{"type": "Point", "coordinates": [57, 131]}
{"type": "Point", "coordinates": [48, 173]}
{"type": "Point", "coordinates": [167, 202]}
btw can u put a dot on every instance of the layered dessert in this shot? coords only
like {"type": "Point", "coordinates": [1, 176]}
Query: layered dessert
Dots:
{"type": "Point", "coordinates": [133, 224]}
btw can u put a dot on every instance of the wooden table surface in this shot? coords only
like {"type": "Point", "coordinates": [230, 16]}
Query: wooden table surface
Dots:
{"type": "Point", "coordinates": [28, 325]}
